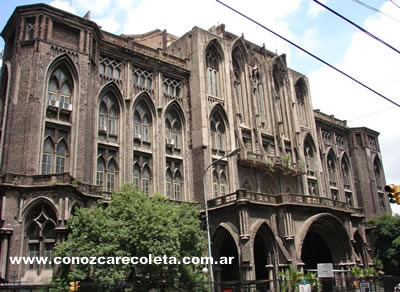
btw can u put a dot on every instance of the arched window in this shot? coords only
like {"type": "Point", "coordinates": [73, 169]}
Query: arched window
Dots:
{"type": "Point", "coordinates": [380, 181]}
{"type": "Point", "coordinates": [55, 151]}
{"type": "Point", "coordinates": [237, 86]}
{"type": "Point", "coordinates": [215, 183]}
{"type": "Point", "coordinates": [311, 166]}
{"type": "Point", "coordinates": [107, 169]}
{"type": "Point", "coordinates": [142, 122]}
{"type": "Point", "coordinates": [60, 88]}
{"type": "Point", "coordinates": [109, 116]}
{"type": "Point", "coordinates": [213, 78]}
{"type": "Point", "coordinates": [346, 173]}
{"type": "Point", "coordinates": [177, 185]}
{"type": "Point", "coordinates": [100, 172]}
{"type": "Point", "coordinates": [40, 234]}
{"type": "Point", "coordinates": [168, 184]}
{"type": "Point", "coordinates": [173, 129]}
{"type": "Point", "coordinates": [223, 184]}
{"type": "Point", "coordinates": [332, 169]}
{"type": "Point", "coordinates": [217, 129]}
{"type": "Point", "coordinates": [136, 176]}
{"type": "Point", "coordinates": [301, 93]}
{"type": "Point", "coordinates": [146, 179]}
{"type": "Point", "coordinates": [111, 169]}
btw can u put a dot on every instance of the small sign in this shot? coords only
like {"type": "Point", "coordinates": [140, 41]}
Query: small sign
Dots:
{"type": "Point", "coordinates": [365, 287]}
{"type": "Point", "coordinates": [325, 270]}
{"type": "Point", "coordinates": [305, 288]}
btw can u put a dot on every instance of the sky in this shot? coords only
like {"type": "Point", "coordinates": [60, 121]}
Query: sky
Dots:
{"type": "Point", "coordinates": [305, 23]}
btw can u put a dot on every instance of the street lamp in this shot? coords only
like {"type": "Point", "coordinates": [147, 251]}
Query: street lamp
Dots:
{"type": "Point", "coordinates": [232, 153]}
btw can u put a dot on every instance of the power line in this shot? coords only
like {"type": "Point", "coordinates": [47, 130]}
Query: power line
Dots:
{"type": "Point", "coordinates": [357, 26]}
{"type": "Point", "coordinates": [376, 10]}
{"type": "Point", "coordinates": [395, 4]}
{"type": "Point", "coordinates": [308, 53]}
{"type": "Point", "coordinates": [372, 114]}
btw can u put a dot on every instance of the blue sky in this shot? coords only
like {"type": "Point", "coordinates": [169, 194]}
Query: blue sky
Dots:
{"type": "Point", "coordinates": [305, 23]}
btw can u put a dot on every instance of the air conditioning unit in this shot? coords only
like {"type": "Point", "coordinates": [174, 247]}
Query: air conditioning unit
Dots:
{"type": "Point", "coordinates": [66, 106]}
{"type": "Point", "coordinates": [138, 136]}
{"type": "Point", "coordinates": [53, 103]}
{"type": "Point", "coordinates": [170, 142]}
{"type": "Point", "coordinates": [103, 128]}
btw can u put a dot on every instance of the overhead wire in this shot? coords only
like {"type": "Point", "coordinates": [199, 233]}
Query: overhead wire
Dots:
{"type": "Point", "coordinates": [309, 53]}
{"type": "Point", "coordinates": [376, 10]}
{"type": "Point", "coordinates": [395, 4]}
{"type": "Point", "coordinates": [357, 26]}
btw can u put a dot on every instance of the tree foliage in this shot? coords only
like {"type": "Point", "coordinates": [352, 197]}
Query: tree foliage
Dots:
{"type": "Point", "coordinates": [387, 245]}
{"type": "Point", "coordinates": [133, 224]}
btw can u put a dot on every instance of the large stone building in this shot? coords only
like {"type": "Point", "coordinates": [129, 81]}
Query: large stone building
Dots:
{"type": "Point", "coordinates": [84, 111]}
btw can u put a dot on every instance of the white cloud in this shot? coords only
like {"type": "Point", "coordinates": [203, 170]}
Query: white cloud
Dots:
{"type": "Point", "coordinates": [108, 23]}
{"type": "Point", "coordinates": [378, 67]}
{"type": "Point", "coordinates": [98, 7]}
{"type": "Point", "coordinates": [64, 5]}
{"type": "Point", "coordinates": [308, 40]}
{"type": "Point", "coordinates": [315, 9]}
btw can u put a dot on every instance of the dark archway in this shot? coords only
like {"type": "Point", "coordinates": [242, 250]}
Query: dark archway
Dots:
{"type": "Point", "coordinates": [359, 247]}
{"type": "Point", "coordinates": [315, 250]}
{"type": "Point", "coordinates": [225, 246]}
{"type": "Point", "coordinates": [260, 257]}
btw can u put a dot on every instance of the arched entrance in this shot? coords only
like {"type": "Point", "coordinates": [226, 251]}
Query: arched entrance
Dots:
{"type": "Point", "coordinates": [315, 250]}
{"type": "Point", "coordinates": [359, 248]}
{"type": "Point", "coordinates": [224, 246]}
{"type": "Point", "coordinates": [323, 238]}
{"type": "Point", "coordinates": [264, 261]}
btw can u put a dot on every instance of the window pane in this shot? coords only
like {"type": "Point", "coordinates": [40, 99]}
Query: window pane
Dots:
{"type": "Point", "coordinates": [46, 164]}
{"type": "Point", "coordinates": [33, 252]}
{"type": "Point", "coordinates": [145, 185]}
{"type": "Point", "coordinates": [48, 253]}
{"type": "Point", "coordinates": [60, 163]}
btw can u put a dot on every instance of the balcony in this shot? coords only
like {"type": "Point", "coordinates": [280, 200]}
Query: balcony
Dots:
{"type": "Point", "coordinates": [242, 195]}
{"type": "Point", "coordinates": [279, 164]}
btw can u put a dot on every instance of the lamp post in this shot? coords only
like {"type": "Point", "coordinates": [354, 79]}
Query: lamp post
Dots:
{"type": "Point", "coordinates": [232, 153]}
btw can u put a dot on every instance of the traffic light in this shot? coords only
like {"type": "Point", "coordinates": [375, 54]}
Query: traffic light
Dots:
{"type": "Point", "coordinates": [74, 286]}
{"type": "Point", "coordinates": [393, 193]}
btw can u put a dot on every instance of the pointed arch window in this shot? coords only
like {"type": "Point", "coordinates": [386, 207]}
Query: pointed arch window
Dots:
{"type": "Point", "coordinates": [301, 93]}
{"type": "Point", "coordinates": [219, 181]}
{"type": "Point", "coordinates": [142, 172]}
{"type": "Point", "coordinates": [215, 184]}
{"type": "Point", "coordinates": [332, 169]}
{"type": "Point", "coordinates": [237, 86]}
{"type": "Point", "coordinates": [380, 181]}
{"type": "Point", "coordinates": [40, 234]}
{"type": "Point", "coordinates": [142, 123]}
{"type": "Point", "coordinates": [173, 130]}
{"type": "Point", "coordinates": [217, 129]}
{"type": "Point", "coordinates": [174, 180]}
{"type": "Point", "coordinates": [311, 167]}
{"type": "Point", "coordinates": [107, 169]}
{"type": "Point", "coordinates": [212, 63]}
{"type": "Point", "coordinates": [109, 116]}
{"type": "Point", "coordinates": [346, 173]}
{"type": "Point", "coordinates": [60, 88]}
{"type": "Point", "coordinates": [168, 185]}
{"type": "Point", "coordinates": [55, 151]}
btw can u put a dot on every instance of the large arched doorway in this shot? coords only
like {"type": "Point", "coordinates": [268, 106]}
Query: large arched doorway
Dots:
{"type": "Point", "coordinates": [263, 251]}
{"type": "Point", "coordinates": [225, 246]}
{"type": "Point", "coordinates": [315, 250]}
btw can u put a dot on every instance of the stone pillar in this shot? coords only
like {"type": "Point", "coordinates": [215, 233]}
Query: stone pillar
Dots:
{"type": "Point", "coordinates": [5, 238]}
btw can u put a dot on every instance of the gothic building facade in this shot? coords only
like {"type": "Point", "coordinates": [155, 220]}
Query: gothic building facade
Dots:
{"type": "Point", "coordinates": [84, 111]}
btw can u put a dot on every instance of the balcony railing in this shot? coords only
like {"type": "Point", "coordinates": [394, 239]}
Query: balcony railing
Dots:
{"type": "Point", "coordinates": [271, 163]}
{"type": "Point", "coordinates": [282, 199]}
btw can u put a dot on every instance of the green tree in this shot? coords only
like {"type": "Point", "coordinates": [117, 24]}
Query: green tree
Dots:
{"type": "Point", "coordinates": [133, 224]}
{"type": "Point", "coordinates": [387, 245]}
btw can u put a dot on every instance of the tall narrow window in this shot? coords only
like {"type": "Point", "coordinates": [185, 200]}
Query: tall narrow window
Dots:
{"type": "Point", "coordinates": [173, 129]}
{"type": "Point", "coordinates": [168, 178]}
{"type": "Point", "coordinates": [146, 179]}
{"type": "Point", "coordinates": [346, 173]}
{"type": "Point", "coordinates": [223, 184]}
{"type": "Point", "coordinates": [177, 186]}
{"type": "Point", "coordinates": [301, 93]}
{"type": "Point", "coordinates": [55, 151]}
{"type": "Point", "coordinates": [217, 133]}
{"type": "Point", "coordinates": [142, 123]}
{"type": "Point", "coordinates": [212, 63]}
{"type": "Point", "coordinates": [59, 92]}
{"type": "Point", "coordinates": [107, 169]}
{"type": "Point", "coordinates": [332, 169]}
{"type": "Point", "coordinates": [215, 184]}
{"type": "Point", "coordinates": [237, 85]}
{"type": "Point", "coordinates": [311, 166]}
{"type": "Point", "coordinates": [109, 117]}
{"type": "Point", "coordinates": [136, 176]}
{"type": "Point", "coordinates": [40, 234]}
{"type": "Point", "coordinates": [100, 172]}
{"type": "Point", "coordinates": [111, 175]}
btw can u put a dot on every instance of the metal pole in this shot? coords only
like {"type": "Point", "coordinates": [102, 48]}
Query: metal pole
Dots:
{"type": "Point", "coordinates": [234, 152]}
